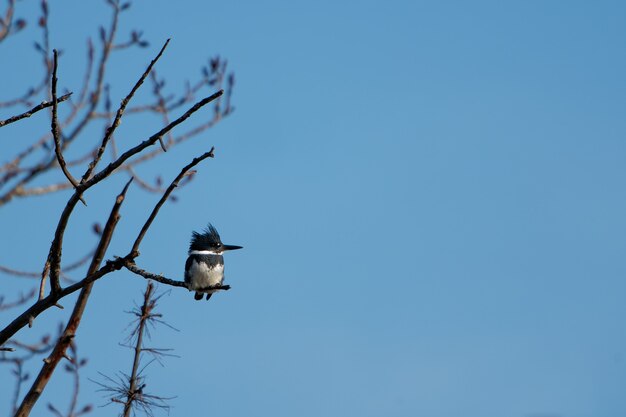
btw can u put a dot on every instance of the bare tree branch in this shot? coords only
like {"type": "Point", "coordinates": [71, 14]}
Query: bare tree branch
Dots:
{"type": "Point", "coordinates": [150, 141]}
{"type": "Point", "coordinates": [54, 256]}
{"type": "Point", "coordinates": [129, 390]}
{"type": "Point", "coordinates": [55, 126]}
{"type": "Point", "coordinates": [31, 274]}
{"type": "Point", "coordinates": [20, 301]}
{"type": "Point", "coordinates": [23, 174]}
{"type": "Point", "coordinates": [27, 317]}
{"type": "Point", "coordinates": [43, 50]}
{"type": "Point", "coordinates": [7, 21]}
{"type": "Point", "coordinates": [107, 46]}
{"type": "Point", "coordinates": [20, 378]}
{"type": "Point", "coordinates": [213, 76]}
{"type": "Point", "coordinates": [18, 273]}
{"type": "Point", "coordinates": [118, 263]}
{"type": "Point", "coordinates": [70, 330]}
{"type": "Point", "coordinates": [74, 366]}
{"type": "Point", "coordinates": [22, 192]}
{"type": "Point", "coordinates": [31, 349]}
{"type": "Point", "coordinates": [163, 280]}
{"type": "Point", "coordinates": [160, 107]}
{"type": "Point", "coordinates": [120, 113]}
{"type": "Point", "coordinates": [174, 184]}
{"type": "Point", "coordinates": [146, 311]}
{"type": "Point", "coordinates": [42, 283]}
{"type": "Point", "coordinates": [135, 392]}
{"type": "Point", "coordinates": [41, 106]}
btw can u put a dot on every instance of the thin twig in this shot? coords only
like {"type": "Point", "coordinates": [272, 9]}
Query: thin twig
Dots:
{"type": "Point", "coordinates": [174, 184]}
{"type": "Point", "coordinates": [43, 24]}
{"type": "Point", "coordinates": [160, 106]}
{"type": "Point", "coordinates": [29, 274]}
{"type": "Point", "coordinates": [41, 106]}
{"type": "Point", "coordinates": [20, 301]}
{"type": "Point", "coordinates": [18, 273]}
{"type": "Point", "coordinates": [129, 390]}
{"type": "Point", "coordinates": [94, 97]}
{"type": "Point", "coordinates": [31, 349]}
{"type": "Point", "coordinates": [133, 393]}
{"type": "Point", "coordinates": [211, 78]}
{"type": "Point", "coordinates": [7, 22]}
{"type": "Point", "coordinates": [150, 141]}
{"type": "Point", "coordinates": [44, 277]}
{"type": "Point", "coordinates": [120, 113]}
{"type": "Point", "coordinates": [20, 378]}
{"type": "Point", "coordinates": [55, 126]}
{"type": "Point", "coordinates": [74, 368]}
{"type": "Point", "coordinates": [43, 190]}
{"type": "Point", "coordinates": [175, 141]}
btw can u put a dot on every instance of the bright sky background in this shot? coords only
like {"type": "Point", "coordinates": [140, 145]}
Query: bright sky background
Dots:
{"type": "Point", "coordinates": [430, 196]}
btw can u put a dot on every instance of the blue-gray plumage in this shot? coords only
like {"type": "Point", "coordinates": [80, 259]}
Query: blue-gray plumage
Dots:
{"type": "Point", "coordinates": [204, 268]}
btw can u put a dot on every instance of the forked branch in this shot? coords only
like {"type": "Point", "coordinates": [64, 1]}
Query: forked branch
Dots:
{"type": "Point", "coordinates": [116, 264]}
{"type": "Point", "coordinates": [70, 329]}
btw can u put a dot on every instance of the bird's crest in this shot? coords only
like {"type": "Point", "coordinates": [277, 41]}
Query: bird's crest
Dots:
{"type": "Point", "coordinates": [208, 239]}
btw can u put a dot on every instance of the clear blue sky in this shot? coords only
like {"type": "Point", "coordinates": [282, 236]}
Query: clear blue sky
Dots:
{"type": "Point", "coordinates": [430, 196]}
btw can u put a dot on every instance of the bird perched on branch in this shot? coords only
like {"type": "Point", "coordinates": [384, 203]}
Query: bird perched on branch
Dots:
{"type": "Point", "coordinates": [204, 269]}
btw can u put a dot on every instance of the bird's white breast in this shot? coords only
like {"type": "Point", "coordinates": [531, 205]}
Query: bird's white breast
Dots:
{"type": "Point", "coordinates": [202, 276]}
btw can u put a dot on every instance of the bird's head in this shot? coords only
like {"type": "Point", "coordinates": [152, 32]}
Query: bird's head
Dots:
{"type": "Point", "coordinates": [208, 243]}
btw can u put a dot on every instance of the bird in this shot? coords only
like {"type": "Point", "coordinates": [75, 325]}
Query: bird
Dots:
{"type": "Point", "coordinates": [204, 267]}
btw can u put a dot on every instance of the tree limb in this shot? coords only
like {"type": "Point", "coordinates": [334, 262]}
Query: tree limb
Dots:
{"type": "Point", "coordinates": [70, 330]}
{"type": "Point", "coordinates": [132, 267]}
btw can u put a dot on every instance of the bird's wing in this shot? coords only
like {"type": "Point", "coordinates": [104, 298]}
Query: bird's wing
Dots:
{"type": "Point", "coordinates": [187, 266]}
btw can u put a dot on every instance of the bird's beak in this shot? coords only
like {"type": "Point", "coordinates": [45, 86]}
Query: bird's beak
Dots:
{"type": "Point", "coordinates": [230, 247]}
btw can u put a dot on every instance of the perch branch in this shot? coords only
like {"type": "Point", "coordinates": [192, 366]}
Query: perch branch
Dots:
{"type": "Point", "coordinates": [132, 267]}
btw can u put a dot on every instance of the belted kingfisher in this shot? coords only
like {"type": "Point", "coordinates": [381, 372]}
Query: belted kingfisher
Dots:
{"type": "Point", "coordinates": [205, 264]}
